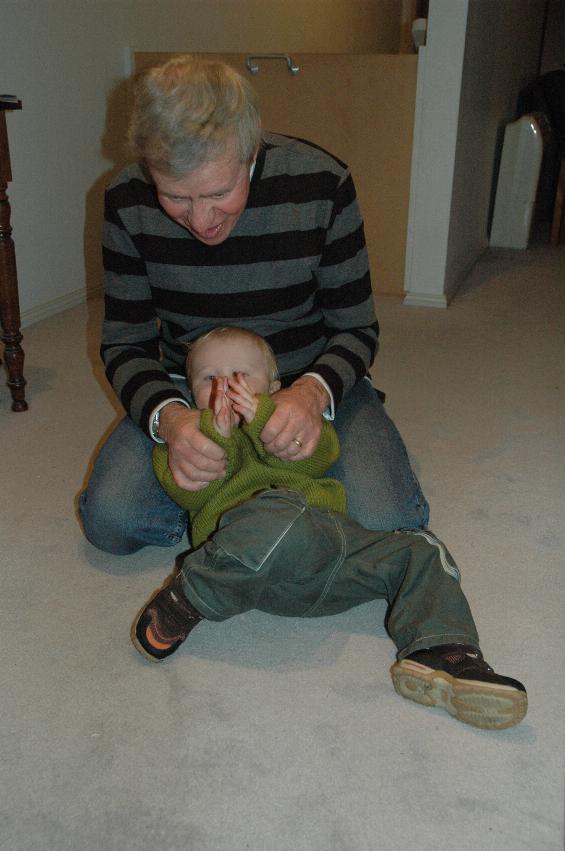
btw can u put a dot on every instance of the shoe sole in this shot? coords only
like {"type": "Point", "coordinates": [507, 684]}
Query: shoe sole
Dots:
{"type": "Point", "coordinates": [485, 705]}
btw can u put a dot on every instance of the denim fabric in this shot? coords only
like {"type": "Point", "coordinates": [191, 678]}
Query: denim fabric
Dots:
{"type": "Point", "coordinates": [382, 490]}
{"type": "Point", "coordinates": [275, 554]}
{"type": "Point", "coordinates": [124, 508]}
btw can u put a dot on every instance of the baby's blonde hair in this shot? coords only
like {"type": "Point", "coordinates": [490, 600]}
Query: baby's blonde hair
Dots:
{"type": "Point", "coordinates": [230, 332]}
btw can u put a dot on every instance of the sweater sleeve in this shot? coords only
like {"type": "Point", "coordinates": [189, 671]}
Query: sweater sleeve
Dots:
{"type": "Point", "coordinates": [193, 501]}
{"type": "Point", "coordinates": [326, 453]}
{"type": "Point", "coordinates": [130, 335]}
{"type": "Point", "coordinates": [189, 500]}
{"type": "Point", "coordinates": [346, 297]}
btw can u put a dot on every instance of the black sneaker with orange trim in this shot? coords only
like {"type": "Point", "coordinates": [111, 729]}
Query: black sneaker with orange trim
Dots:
{"type": "Point", "coordinates": [455, 677]}
{"type": "Point", "coordinates": [164, 622]}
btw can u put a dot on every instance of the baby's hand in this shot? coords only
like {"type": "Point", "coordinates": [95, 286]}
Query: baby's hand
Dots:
{"type": "Point", "coordinates": [243, 400]}
{"type": "Point", "coordinates": [221, 405]}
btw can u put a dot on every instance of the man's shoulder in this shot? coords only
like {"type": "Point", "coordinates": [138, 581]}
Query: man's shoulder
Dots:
{"type": "Point", "coordinates": [129, 173]}
{"type": "Point", "coordinates": [298, 155]}
{"type": "Point", "coordinates": [131, 186]}
{"type": "Point", "coordinates": [130, 189]}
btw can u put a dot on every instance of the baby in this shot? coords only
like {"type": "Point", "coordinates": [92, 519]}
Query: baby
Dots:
{"type": "Point", "coordinates": [231, 373]}
{"type": "Point", "coordinates": [273, 535]}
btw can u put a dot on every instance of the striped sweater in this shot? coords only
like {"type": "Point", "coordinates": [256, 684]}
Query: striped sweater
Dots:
{"type": "Point", "coordinates": [294, 270]}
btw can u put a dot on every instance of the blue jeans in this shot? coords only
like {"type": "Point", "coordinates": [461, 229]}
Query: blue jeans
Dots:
{"type": "Point", "coordinates": [124, 508]}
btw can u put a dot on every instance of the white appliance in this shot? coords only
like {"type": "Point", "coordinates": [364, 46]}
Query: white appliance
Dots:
{"type": "Point", "coordinates": [517, 184]}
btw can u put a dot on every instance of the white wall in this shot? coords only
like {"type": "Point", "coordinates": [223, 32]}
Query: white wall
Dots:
{"type": "Point", "coordinates": [501, 57]}
{"type": "Point", "coordinates": [65, 59]}
{"type": "Point", "coordinates": [440, 68]}
{"type": "Point", "coordinates": [478, 55]}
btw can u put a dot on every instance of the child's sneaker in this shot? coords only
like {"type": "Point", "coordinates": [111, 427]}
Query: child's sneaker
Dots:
{"type": "Point", "coordinates": [164, 622]}
{"type": "Point", "coordinates": [457, 678]}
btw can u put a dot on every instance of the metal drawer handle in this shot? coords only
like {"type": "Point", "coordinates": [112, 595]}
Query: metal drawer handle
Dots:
{"type": "Point", "coordinates": [253, 68]}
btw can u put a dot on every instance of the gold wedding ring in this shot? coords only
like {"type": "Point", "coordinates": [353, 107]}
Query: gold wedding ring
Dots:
{"type": "Point", "coordinates": [298, 442]}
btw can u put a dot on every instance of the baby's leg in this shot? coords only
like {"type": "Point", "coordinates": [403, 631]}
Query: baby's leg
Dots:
{"type": "Point", "coordinates": [414, 572]}
{"type": "Point", "coordinates": [251, 562]}
{"type": "Point", "coordinates": [276, 554]}
{"type": "Point", "coordinates": [439, 660]}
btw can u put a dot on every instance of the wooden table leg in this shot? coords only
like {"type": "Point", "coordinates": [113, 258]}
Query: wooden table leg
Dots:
{"type": "Point", "coordinates": [9, 300]}
{"type": "Point", "coordinates": [10, 308]}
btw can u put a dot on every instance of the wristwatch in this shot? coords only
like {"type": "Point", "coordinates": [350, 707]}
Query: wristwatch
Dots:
{"type": "Point", "coordinates": [154, 427]}
{"type": "Point", "coordinates": [156, 418]}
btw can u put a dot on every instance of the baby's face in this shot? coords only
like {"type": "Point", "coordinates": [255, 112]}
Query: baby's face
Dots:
{"type": "Point", "coordinates": [224, 359]}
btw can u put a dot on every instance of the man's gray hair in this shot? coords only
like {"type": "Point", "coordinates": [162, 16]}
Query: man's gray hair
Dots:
{"type": "Point", "coordinates": [189, 111]}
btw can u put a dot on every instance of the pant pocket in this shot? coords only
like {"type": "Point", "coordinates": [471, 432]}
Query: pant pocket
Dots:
{"type": "Point", "coordinates": [252, 531]}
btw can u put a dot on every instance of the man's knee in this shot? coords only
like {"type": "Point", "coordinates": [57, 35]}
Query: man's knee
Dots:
{"type": "Point", "coordinates": [390, 515]}
{"type": "Point", "coordinates": [104, 525]}
{"type": "Point", "coordinates": [413, 514]}
{"type": "Point", "coordinates": [418, 515]}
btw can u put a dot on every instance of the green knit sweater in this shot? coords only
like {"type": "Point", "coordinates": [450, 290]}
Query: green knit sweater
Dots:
{"type": "Point", "coordinates": [249, 469]}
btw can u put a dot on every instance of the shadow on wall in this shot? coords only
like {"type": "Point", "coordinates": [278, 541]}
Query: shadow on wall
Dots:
{"type": "Point", "coordinates": [113, 147]}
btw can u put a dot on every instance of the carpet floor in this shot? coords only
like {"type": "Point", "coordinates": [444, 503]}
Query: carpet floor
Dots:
{"type": "Point", "coordinates": [271, 734]}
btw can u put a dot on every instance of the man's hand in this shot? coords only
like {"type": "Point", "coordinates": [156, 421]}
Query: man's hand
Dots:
{"type": "Point", "coordinates": [194, 460]}
{"type": "Point", "coordinates": [293, 430]}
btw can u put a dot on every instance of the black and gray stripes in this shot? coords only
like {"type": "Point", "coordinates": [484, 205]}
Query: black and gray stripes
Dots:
{"type": "Point", "coordinates": [294, 269]}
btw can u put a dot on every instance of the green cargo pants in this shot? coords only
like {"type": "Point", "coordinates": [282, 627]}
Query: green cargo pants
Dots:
{"type": "Point", "coordinates": [276, 554]}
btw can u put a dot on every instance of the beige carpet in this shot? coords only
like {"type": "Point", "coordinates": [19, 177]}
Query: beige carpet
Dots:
{"type": "Point", "coordinates": [286, 735]}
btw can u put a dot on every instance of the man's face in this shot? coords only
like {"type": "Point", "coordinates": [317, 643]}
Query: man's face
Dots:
{"type": "Point", "coordinates": [209, 201]}
{"type": "Point", "coordinates": [218, 358]}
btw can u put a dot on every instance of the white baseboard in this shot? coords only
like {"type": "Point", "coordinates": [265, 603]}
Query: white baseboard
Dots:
{"type": "Point", "coordinates": [56, 305]}
{"type": "Point", "coordinates": [425, 300]}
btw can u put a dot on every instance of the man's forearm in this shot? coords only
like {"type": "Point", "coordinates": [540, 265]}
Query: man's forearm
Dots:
{"type": "Point", "coordinates": [169, 415]}
{"type": "Point", "coordinates": [314, 387]}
